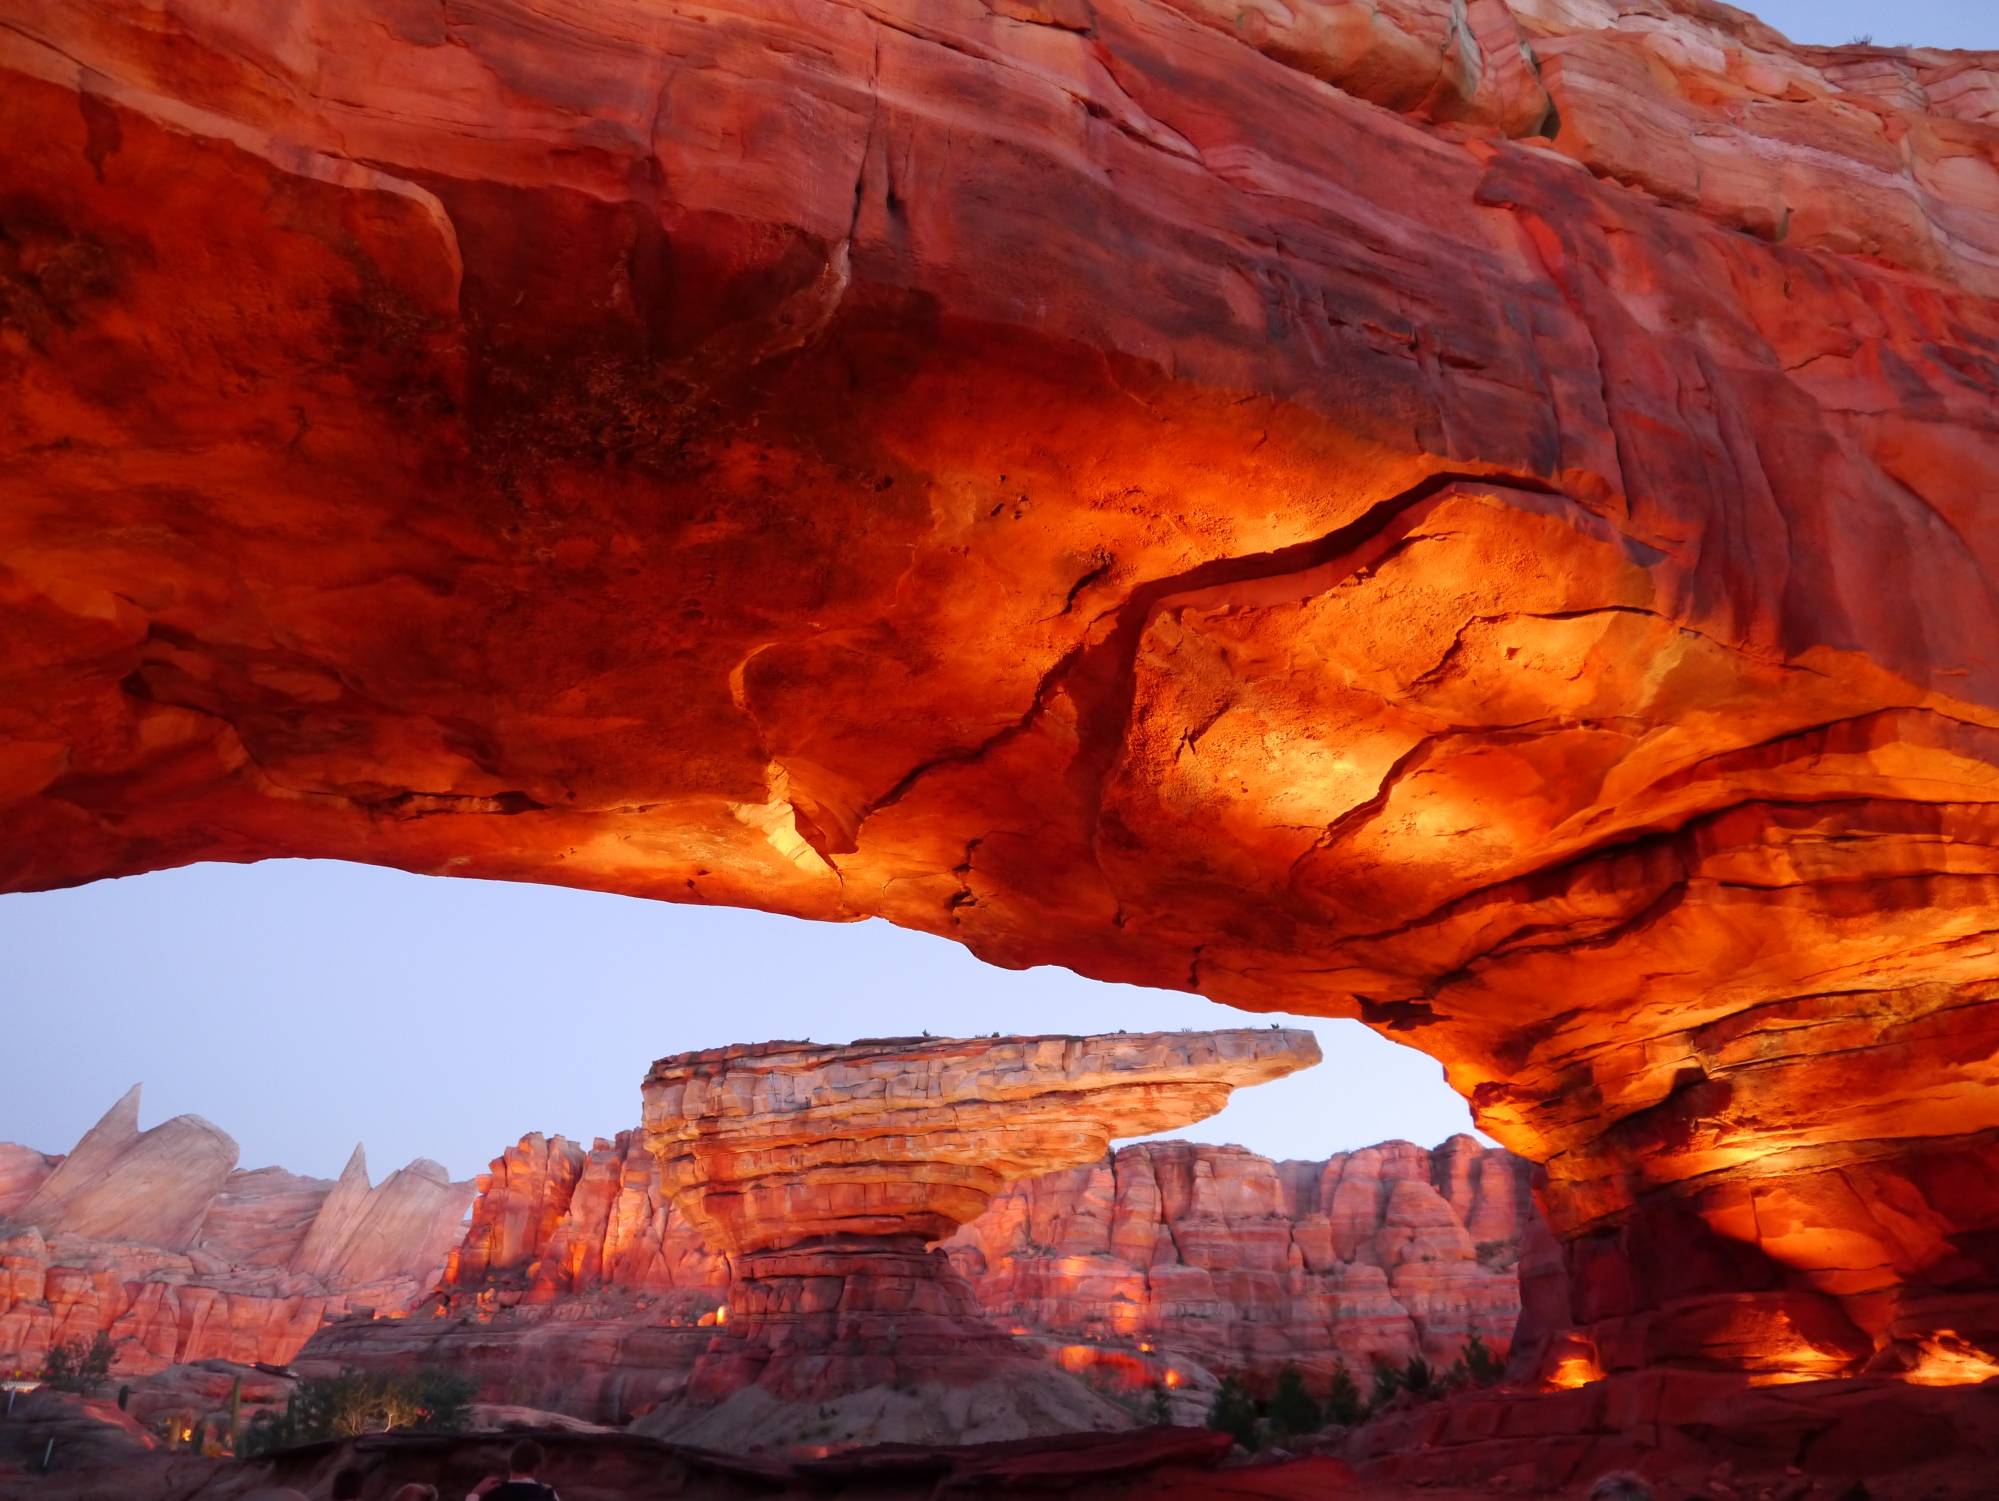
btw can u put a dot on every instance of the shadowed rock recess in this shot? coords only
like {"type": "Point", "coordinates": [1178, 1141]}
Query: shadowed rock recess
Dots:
{"type": "Point", "coordinates": [1471, 517]}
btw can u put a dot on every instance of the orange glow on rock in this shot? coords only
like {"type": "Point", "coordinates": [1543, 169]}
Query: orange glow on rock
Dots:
{"type": "Point", "coordinates": [1946, 1358]}
{"type": "Point", "coordinates": [1575, 1364]}
{"type": "Point", "coordinates": [1172, 1378]}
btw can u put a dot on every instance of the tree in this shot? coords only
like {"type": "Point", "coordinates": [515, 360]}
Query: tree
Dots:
{"type": "Point", "coordinates": [73, 1366]}
{"type": "Point", "coordinates": [1291, 1409]}
{"type": "Point", "coordinates": [1416, 1376]}
{"type": "Point", "coordinates": [1344, 1404]}
{"type": "Point", "coordinates": [1162, 1410]}
{"type": "Point", "coordinates": [356, 1402]}
{"type": "Point", "coordinates": [1234, 1412]}
{"type": "Point", "coordinates": [1481, 1365]}
{"type": "Point", "coordinates": [1387, 1382]}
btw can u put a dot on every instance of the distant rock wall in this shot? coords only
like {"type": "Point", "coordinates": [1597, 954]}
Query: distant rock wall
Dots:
{"type": "Point", "coordinates": [576, 1284]}
{"type": "Point", "coordinates": [579, 1288]}
{"type": "Point", "coordinates": [156, 1238]}
{"type": "Point", "coordinates": [1245, 1264]}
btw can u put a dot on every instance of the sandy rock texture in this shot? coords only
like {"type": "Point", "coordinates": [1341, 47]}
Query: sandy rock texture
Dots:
{"type": "Point", "coordinates": [1220, 1258]}
{"type": "Point", "coordinates": [1161, 1257]}
{"type": "Point", "coordinates": [1474, 517]}
{"type": "Point", "coordinates": [828, 1172]}
{"type": "Point", "coordinates": [772, 1145]}
{"type": "Point", "coordinates": [156, 1238]}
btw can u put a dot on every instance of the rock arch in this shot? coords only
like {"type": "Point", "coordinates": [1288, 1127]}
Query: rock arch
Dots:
{"type": "Point", "coordinates": [1279, 516]}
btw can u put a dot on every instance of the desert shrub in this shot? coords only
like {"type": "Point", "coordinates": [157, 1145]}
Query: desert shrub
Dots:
{"type": "Point", "coordinates": [1291, 1408]}
{"type": "Point", "coordinates": [1481, 1365]}
{"type": "Point", "coordinates": [1344, 1403]}
{"type": "Point", "coordinates": [1387, 1383]}
{"type": "Point", "coordinates": [73, 1366]}
{"type": "Point", "coordinates": [1417, 1376]}
{"type": "Point", "coordinates": [1234, 1413]}
{"type": "Point", "coordinates": [356, 1402]}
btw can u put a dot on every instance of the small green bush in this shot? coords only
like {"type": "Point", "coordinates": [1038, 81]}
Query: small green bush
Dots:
{"type": "Point", "coordinates": [1481, 1365]}
{"type": "Point", "coordinates": [1417, 1376]}
{"type": "Point", "coordinates": [1387, 1383]}
{"type": "Point", "coordinates": [1291, 1409]}
{"type": "Point", "coordinates": [1344, 1403]}
{"type": "Point", "coordinates": [1234, 1413]}
{"type": "Point", "coordinates": [73, 1366]}
{"type": "Point", "coordinates": [355, 1402]}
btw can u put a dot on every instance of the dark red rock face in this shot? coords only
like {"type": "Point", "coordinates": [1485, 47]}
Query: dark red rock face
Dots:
{"type": "Point", "coordinates": [1207, 505]}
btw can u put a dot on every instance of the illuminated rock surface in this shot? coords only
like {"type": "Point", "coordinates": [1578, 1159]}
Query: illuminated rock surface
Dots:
{"type": "Point", "coordinates": [574, 1296]}
{"type": "Point", "coordinates": [155, 1238]}
{"type": "Point", "coordinates": [1205, 498]}
{"type": "Point", "coordinates": [1220, 1257]}
{"type": "Point", "coordinates": [826, 1173]}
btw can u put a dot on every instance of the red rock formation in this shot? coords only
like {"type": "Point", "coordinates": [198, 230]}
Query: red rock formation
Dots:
{"type": "Point", "coordinates": [576, 1289]}
{"type": "Point", "coordinates": [1207, 499]}
{"type": "Point", "coordinates": [827, 1172]}
{"type": "Point", "coordinates": [1215, 1256]}
{"type": "Point", "coordinates": [1217, 1260]}
{"type": "Point", "coordinates": [152, 1187]}
{"type": "Point", "coordinates": [152, 1238]}
{"type": "Point", "coordinates": [22, 1171]}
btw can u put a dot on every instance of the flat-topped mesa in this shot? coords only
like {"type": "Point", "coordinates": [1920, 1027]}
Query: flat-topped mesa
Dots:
{"type": "Point", "coordinates": [826, 1172]}
{"type": "Point", "coordinates": [784, 1143]}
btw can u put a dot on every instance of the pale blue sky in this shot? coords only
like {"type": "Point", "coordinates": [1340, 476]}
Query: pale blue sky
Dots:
{"type": "Point", "coordinates": [1910, 23]}
{"type": "Point", "coordinates": [306, 1005]}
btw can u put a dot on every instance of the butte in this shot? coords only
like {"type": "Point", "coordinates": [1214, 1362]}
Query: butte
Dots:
{"type": "Point", "coordinates": [828, 1174]}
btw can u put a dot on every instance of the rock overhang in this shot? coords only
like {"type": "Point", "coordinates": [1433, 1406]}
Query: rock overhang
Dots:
{"type": "Point", "coordinates": [1528, 592]}
{"type": "Point", "coordinates": [774, 1145]}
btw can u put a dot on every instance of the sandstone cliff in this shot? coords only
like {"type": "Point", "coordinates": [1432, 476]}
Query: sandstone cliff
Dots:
{"type": "Point", "coordinates": [1242, 1264]}
{"type": "Point", "coordinates": [155, 1238]}
{"type": "Point", "coordinates": [1472, 516]}
{"type": "Point", "coordinates": [1220, 1260]}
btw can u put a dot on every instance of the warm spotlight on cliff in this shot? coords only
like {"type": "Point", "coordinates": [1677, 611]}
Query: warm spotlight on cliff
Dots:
{"type": "Point", "coordinates": [1947, 1359]}
{"type": "Point", "coordinates": [1575, 1364]}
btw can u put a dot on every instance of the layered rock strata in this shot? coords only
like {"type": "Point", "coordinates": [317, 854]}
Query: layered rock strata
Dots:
{"type": "Point", "coordinates": [577, 1288]}
{"type": "Point", "coordinates": [1215, 1259]}
{"type": "Point", "coordinates": [157, 1239]}
{"type": "Point", "coordinates": [1165, 1257]}
{"type": "Point", "coordinates": [1470, 516]}
{"type": "Point", "coordinates": [826, 1173]}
